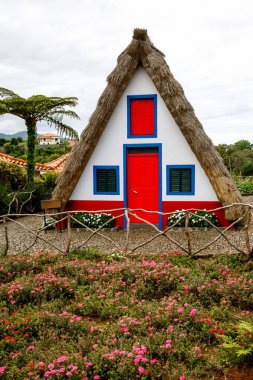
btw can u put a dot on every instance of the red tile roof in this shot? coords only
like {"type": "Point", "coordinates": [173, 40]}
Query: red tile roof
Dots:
{"type": "Point", "coordinates": [55, 165]}
{"type": "Point", "coordinates": [48, 135]}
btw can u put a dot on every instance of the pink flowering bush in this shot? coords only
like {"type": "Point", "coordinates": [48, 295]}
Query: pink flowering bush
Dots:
{"type": "Point", "coordinates": [101, 317]}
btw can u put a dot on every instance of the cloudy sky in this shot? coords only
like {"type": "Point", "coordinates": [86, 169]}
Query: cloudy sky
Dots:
{"type": "Point", "coordinates": [67, 48]}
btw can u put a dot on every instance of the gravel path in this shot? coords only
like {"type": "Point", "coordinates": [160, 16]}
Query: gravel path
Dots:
{"type": "Point", "coordinates": [21, 239]}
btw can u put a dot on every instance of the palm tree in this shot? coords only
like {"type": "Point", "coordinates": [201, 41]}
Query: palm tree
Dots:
{"type": "Point", "coordinates": [34, 109]}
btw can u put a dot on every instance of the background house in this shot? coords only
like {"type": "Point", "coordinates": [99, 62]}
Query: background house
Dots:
{"type": "Point", "coordinates": [49, 139]}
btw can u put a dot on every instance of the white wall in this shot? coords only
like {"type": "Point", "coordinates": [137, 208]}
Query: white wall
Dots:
{"type": "Point", "coordinates": [175, 149]}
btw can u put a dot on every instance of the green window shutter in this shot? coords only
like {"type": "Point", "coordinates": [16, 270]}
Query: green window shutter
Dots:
{"type": "Point", "coordinates": [180, 180]}
{"type": "Point", "coordinates": [174, 180]}
{"type": "Point", "coordinates": [106, 181]}
{"type": "Point", "coordinates": [186, 180]}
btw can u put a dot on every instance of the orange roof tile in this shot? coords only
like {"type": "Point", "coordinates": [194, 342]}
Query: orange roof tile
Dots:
{"type": "Point", "coordinates": [55, 165]}
{"type": "Point", "coordinates": [48, 136]}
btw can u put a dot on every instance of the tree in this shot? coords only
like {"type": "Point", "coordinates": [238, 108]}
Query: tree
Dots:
{"type": "Point", "coordinates": [2, 141]}
{"type": "Point", "coordinates": [34, 109]}
{"type": "Point", "coordinates": [238, 157]}
{"type": "Point", "coordinates": [243, 145]}
{"type": "Point", "coordinates": [14, 141]}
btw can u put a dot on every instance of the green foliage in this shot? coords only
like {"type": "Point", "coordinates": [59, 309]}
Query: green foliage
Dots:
{"type": "Point", "coordinates": [33, 110]}
{"type": "Point", "coordinates": [245, 185]}
{"type": "Point", "coordinates": [2, 141]}
{"type": "Point", "coordinates": [44, 154]}
{"type": "Point", "coordinates": [242, 145]}
{"type": "Point", "coordinates": [43, 188]}
{"type": "Point", "coordinates": [15, 147]}
{"type": "Point", "coordinates": [196, 218]}
{"type": "Point", "coordinates": [14, 189]}
{"type": "Point", "coordinates": [12, 176]}
{"type": "Point", "coordinates": [92, 220]}
{"type": "Point", "coordinates": [14, 202]}
{"type": "Point", "coordinates": [239, 348]}
{"type": "Point", "coordinates": [4, 200]}
{"type": "Point", "coordinates": [238, 157]}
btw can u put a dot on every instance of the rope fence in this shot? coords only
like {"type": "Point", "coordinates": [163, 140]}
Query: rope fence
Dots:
{"type": "Point", "coordinates": [184, 242]}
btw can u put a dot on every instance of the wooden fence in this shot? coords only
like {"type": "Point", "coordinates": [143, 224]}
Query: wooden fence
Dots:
{"type": "Point", "coordinates": [186, 244]}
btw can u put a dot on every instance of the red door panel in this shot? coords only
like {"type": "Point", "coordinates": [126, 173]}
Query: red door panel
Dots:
{"type": "Point", "coordinates": [143, 185]}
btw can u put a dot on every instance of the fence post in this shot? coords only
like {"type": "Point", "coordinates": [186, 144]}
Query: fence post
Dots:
{"type": "Point", "coordinates": [6, 246]}
{"type": "Point", "coordinates": [127, 229]}
{"type": "Point", "coordinates": [69, 233]}
{"type": "Point", "coordinates": [187, 232]}
{"type": "Point", "coordinates": [246, 231]}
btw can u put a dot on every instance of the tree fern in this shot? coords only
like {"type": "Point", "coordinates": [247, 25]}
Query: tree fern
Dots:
{"type": "Point", "coordinates": [34, 109]}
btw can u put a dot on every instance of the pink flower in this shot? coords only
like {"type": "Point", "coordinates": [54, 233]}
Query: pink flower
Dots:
{"type": "Point", "coordinates": [200, 355]}
{"type": "Point", "coordinates": [168, 343]}
{"type": "Point", "coordinates": [61, 359]}
{"type": "Point", "coordinates": [153, 361]}
{"type": "Point", "coordinates": [182, 377]}
{"type": "Point", "coordinates": [30, 374]}
{"type": "Point", "coordinates": [31, 347]}
{"type": "Point", "coordinates": [50, 366]}
{"type": "Point", "coordinates": [2, 369]}
{"type": "Point", "coordinates": [141, 369]}
{"type": "Point", "coordinates": [193, 312]}
{"type": "Point", "coordinates": [196, 348]}
{"type": "Point", "coordinates": [180, 310]}
{"type": "Point", "coordinates": [171, 328]}
{"type": "Point", "coordinates": [96, 377]}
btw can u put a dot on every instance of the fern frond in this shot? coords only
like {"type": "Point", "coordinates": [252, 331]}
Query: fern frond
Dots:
{"type": "Point", "coordinates": [245, 326]}
{"type": "Point", "coordinates": [5, 93]}
{"type": "Point", "coordinates": [61, 127]}
{"type": "Point", "coordinates": [244, 352]}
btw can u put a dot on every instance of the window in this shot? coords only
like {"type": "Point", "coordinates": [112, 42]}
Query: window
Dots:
{"type": "Point", "coordinates": [180, 179]}
{"type": "Point", "coordinates": [141, 116]}
{"type": "Point", "coordinates": [106, 179]}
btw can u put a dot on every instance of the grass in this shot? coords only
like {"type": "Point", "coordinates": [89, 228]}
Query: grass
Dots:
{"type": "Point", "coordinates": [98, 316]}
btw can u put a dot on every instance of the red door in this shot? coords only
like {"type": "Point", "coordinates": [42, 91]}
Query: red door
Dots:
{"type": "Point", "coordinates": [143, 184]}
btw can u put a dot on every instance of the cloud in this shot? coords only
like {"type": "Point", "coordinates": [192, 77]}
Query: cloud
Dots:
{"type": "Point", "coordinates": [55, 48]}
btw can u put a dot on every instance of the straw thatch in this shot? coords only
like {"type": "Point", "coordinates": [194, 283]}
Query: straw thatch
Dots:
{"type": "Point", "coordinates": [142, 51]}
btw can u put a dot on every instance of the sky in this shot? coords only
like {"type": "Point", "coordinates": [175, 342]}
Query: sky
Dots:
{"type": "Point", "coordinates": [68, 48]}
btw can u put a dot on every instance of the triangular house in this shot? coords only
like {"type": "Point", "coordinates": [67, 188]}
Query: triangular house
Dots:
{"type": "Point", "coordinates": [144, 147]}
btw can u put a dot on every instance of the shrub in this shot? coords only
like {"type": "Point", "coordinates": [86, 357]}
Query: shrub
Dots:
{"type": "Point", "coordinates": [92, 220]}
{"type": "Point", "coordinates": [43, 188]}
{"type": "Point", "coordinates": [12, 176]}
{"type": "Point", "coordinates": [245, 185]}
{"type": "Point", "coordinates": [194, 218]}
{"type": "Point", "coordinates": [240, 348]}
{"type": "Point", "coordinates": [15, 183]}
{"type": "Point", "coordinates": [14, 201]}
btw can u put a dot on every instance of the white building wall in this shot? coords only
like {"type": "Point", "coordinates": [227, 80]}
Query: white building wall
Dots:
{"type": "Point", "coordinates": [175, 149]}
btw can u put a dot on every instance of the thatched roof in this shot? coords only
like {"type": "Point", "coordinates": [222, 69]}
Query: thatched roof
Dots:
{"type": "Point", "coordinates": [142, 51]}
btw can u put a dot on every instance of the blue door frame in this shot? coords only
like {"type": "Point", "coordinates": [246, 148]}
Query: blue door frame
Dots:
{"type": "Point", "coordinates": [159, 147]}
